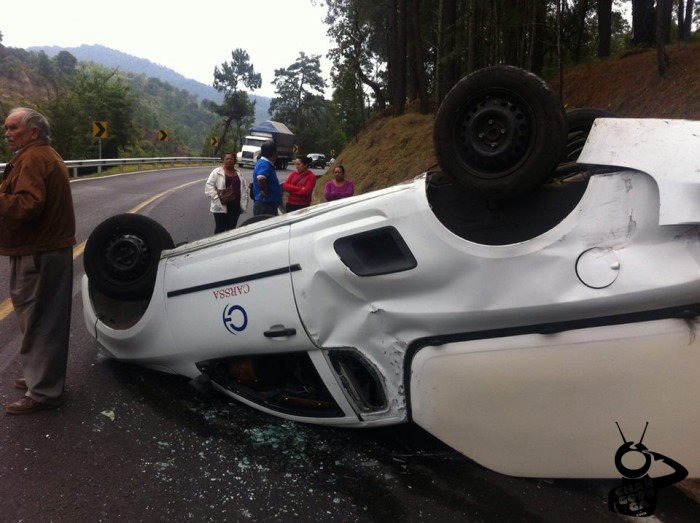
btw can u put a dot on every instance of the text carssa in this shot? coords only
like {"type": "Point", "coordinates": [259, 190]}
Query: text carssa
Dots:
{"type": "Point", "coordinates": [229, 292]}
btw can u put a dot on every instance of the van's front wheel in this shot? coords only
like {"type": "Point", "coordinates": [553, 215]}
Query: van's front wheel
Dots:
{"type": "Point", "coordinates": [122, 255]}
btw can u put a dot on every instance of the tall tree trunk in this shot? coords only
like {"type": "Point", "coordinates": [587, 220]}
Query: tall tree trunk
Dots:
{"type": "Point", "coordinates": [664, 9]}
{"type": "Point", "coordinates": [604, 27]}
{"type": "Point", "coordinates": [376, 87]}
{"type": "Point", "coordinates": [538, 31]}
{"type": "Point", "coordinates": [445, 60]}
{"type": "Point", "coordinates": [401, 75]}
{"type": "Point", "coordinates": [688, 20]}
{"type": "Point", "coordinates": [643, 22]}
{"type": "Point", "coordinates": [396, 63]}
{"type": "Point", "coordinates": [581, 11]}
{"type": "Point", "coordinates": [416, 54]}
{"type": "Point", "coordinates": [560, 62]}
{"type": "Point", "coordinates": [471, 37]}
{"type": "Point", "coordinates": [392, 42]}
{"type": "Point", "coordinates": [510, 27]}
{"type": "Point", "coordinates": [227, 125]}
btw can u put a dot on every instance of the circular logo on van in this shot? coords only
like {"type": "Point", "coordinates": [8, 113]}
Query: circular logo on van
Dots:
{"type": "Point", "coordinates": [235, 318]}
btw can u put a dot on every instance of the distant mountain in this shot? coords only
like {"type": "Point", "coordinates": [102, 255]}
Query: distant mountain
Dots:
{"type": "Point", "coordinates": [112, 58]}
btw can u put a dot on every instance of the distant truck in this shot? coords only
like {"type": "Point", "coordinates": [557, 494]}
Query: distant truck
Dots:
{"type": "Point", "coordinates": [275, 131]}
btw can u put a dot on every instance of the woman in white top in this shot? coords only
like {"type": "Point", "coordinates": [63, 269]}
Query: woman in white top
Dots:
{"type": "Point", "coordinates": [220, 179]}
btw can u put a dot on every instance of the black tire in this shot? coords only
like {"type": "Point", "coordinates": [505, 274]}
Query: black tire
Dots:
{"type": "Point", "coordinates": [500, 132]}
{"type": "Point", "coordinates": [256, 219]}
{"type": "Point", "coordinates": [578, 125]}
{"type": "Point", "coordinates": [122, 255]}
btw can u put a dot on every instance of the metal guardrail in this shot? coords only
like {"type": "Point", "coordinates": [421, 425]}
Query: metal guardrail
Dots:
{"type": "Point", "coordinates": [74, 165]}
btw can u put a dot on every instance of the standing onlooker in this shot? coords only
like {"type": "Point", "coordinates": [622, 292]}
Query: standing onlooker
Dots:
{"type": "Point", "coordinates": [338, 187]}
{"type": "Point", "coordinates": [267, 191]}
{"type": "Point", "coordinates": [226, 181]}
{"type": "Point", "coordinates": [300, 185]}
{"type": "Point", "coordinates": [37, 232]}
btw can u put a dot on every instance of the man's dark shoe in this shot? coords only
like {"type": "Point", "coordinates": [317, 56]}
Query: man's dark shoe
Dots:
{"type": "Point", "coordinates": [27, 405]}
{"type": "Point", "coordinates": [21, 384]}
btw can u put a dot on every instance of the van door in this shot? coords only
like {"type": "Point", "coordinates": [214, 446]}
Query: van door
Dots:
{"type": "Point", "coordinates": [234, 297]}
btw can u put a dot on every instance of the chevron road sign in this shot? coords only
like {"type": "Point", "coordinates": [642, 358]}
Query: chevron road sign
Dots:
{"type": "Point", "coordinates": [99, 129]}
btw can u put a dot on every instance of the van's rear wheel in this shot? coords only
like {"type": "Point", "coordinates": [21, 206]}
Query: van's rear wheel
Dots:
{"type": "Point", "coordinates": [500, 132]}
{"type": "Point", "coordinates": [578, 125]}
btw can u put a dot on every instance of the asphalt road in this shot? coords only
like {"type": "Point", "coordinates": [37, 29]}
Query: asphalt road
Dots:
{"type": "Point", "coordinates": [135, 445]}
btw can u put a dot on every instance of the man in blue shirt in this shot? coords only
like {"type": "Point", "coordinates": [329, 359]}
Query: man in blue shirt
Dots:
{"type": "Point", "coordinates": [267, 191]}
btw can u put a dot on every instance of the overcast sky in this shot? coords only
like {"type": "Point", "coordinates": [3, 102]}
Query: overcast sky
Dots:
{"type": "Point", "coordinates": [189, 37]}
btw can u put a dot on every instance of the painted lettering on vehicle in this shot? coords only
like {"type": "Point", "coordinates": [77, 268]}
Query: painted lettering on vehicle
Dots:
{"type": "Point", "coordinates": [230, 292]}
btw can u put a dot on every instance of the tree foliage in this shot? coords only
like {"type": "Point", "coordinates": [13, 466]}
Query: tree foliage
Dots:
{"type": "Point", "coordinates": [296, 87]}
{"type": "Point", "coordinates": [299, 103]}
{"type": "Point", "coordinates": [417, 50]}
{"type": "Point", "coordinates": [85, 94]}
{"type": "Point", "coordinates": [357, 28]}
{"type": "Point", "coordinates": [236, 108]}
{"type": "Point", "coordinates": [135, 107]}
{"type": "Point", "coordinates": [159, 105]}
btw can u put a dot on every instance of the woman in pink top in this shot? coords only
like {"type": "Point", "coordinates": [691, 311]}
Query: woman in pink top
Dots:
{"type": "Point", "coordinates": [338, 187]}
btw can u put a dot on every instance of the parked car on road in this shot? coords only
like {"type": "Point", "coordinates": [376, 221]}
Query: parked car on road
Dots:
{"type": "Point", "coordinates": [527, 303]}
{"type": "Point", "coordinates": [318, 160]}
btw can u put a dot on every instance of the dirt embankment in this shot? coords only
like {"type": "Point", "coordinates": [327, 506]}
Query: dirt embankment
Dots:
{"type": "Point", "coordinates": [631, 86]}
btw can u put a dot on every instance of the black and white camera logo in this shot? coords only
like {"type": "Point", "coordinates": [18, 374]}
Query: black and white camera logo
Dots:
{"type": "Point", "coordinates": [638, 494]}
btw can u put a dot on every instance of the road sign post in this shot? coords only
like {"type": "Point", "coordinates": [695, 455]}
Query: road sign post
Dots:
{"type": "Point", "coordinates": [99, 131]}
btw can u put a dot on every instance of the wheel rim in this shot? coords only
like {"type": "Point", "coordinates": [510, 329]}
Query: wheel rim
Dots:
{"type": "Point", "coordinates": [494, 134]}
{"type": "Point", "coordinates": [127, 257]}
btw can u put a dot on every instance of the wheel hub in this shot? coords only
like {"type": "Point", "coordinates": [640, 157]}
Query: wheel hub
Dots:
{"type": "Point", "coordinates": [494, 135]}
{"type": "Point", "coordinates": [126, 256]}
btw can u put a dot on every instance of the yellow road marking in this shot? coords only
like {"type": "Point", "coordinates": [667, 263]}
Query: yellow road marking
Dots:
{"type": "Point", "coordinates": [6, 307]}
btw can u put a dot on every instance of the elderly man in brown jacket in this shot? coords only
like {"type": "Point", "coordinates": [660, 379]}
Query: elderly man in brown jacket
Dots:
{"type": "Point", "coordinates": [37, 232]}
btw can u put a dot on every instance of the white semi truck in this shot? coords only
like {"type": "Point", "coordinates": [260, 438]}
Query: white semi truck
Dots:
{"type": "Point", "coordinates": [269, 130]}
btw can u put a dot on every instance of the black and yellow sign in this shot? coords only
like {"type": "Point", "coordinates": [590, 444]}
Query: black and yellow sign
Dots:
{"type": "Point", "coordinates": [163, 135]}
{"type": "Point", "coordinates": [295, 149]}
{"type": "Point", "coordinates": [99, 129]}
{"type": "Point", "coordinates": [214, 141]}
{"type": "Point", "coordinates": [332, 153]}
